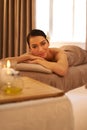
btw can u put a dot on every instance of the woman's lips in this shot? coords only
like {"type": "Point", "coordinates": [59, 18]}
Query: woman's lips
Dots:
{"type": "Point", "coordinates": [42, 55]}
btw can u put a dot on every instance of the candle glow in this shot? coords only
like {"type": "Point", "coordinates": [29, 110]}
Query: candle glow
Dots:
{"type": "Point", "coordinates": [8, 64]}
{"type": "Point", "coordinates": [8, 67]}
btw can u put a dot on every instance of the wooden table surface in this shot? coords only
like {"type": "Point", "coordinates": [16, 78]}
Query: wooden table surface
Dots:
{"type": "Point", "coordinates": [31, 90]}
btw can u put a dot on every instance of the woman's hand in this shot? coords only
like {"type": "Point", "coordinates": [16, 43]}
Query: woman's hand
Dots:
{"type": "Point", "coordinates": [31, 59]}
{"type": "Point", "coordinates": [41, 61]}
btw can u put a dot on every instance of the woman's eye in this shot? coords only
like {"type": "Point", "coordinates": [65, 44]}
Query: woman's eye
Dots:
{"type": "Point", "coordinates": [43, 43]}
{"type": "Point", "coordinates": [34, 46]}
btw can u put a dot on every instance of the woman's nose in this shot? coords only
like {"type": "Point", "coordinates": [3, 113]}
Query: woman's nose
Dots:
{"type": "Point", "coordinates": [40, 48]}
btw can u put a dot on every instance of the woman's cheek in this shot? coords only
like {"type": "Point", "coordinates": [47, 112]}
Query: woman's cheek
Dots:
{"type": "Point", "coordinates": [34, 52]}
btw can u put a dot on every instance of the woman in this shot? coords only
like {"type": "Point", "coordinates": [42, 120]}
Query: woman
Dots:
{"type": "Point", "coordinates": [39, 53]}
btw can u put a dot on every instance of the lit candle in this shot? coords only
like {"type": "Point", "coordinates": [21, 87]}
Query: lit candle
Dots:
{"type": "Point", "coordinates": [7, 72]}
{"type": "Point", "coordinates": [8, 67]}
{"type": "Point", "coordinates": [9, 80]}
{"type": "Point", "coordinates": [10, 71]}
{"type": "Point", "coordinates": [8, 64]}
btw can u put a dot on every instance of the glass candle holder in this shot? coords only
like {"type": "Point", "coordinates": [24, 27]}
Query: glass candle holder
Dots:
{"type": "Point", "coordinates": [13, 85]}
{"type": "Point", "coordinates": [10, 80]}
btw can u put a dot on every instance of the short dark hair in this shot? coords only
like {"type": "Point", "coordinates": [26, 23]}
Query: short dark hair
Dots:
{"type": "Point", "coordinates": [35, 32]}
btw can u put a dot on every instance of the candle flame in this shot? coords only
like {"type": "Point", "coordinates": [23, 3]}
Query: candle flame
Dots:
{"type": "Point", "coordinates": [8, 64]}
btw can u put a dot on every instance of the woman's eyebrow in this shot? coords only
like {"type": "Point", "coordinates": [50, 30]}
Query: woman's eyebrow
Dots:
{"type": "Point", "coordinates": [33, 44]}
{"type": "Point", "coordinates": [43, 41]}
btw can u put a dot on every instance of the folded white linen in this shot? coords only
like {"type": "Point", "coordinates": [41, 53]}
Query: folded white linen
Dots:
{"type": "Point", "coordinates": [44, 114]}
{"type": "Point", "coordinates": [78, 98]}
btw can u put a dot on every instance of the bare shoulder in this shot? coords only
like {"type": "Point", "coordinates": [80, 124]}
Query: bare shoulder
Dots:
{"type": "Point", "coordinates": [56, 51]}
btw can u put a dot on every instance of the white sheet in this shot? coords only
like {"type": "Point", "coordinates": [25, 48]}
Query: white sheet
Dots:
{"type": "Point", "coordinates": [45, 114]}
{"type": "Point", "coordinates": [78, 98]}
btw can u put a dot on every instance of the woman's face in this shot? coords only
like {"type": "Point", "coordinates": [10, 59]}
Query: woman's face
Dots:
{"type": "Point", "coordinates": [39, 46]}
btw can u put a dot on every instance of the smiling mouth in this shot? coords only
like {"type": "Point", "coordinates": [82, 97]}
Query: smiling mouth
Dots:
{"type": "Point", "coordinates": [42, 55]}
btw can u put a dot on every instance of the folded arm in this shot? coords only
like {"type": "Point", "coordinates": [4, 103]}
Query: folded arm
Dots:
{"type": "Point", "coordinates": [59, 67]}
{"type": "Point", "coordinates": [22, 58]}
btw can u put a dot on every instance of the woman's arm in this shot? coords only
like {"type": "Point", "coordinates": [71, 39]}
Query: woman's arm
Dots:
{"type": "Point", "coordinates": [22, 58]}
{"type": "Point", "coordinates": [18, 59]}
{"type": "Point", "coordinates": [60, 66]}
